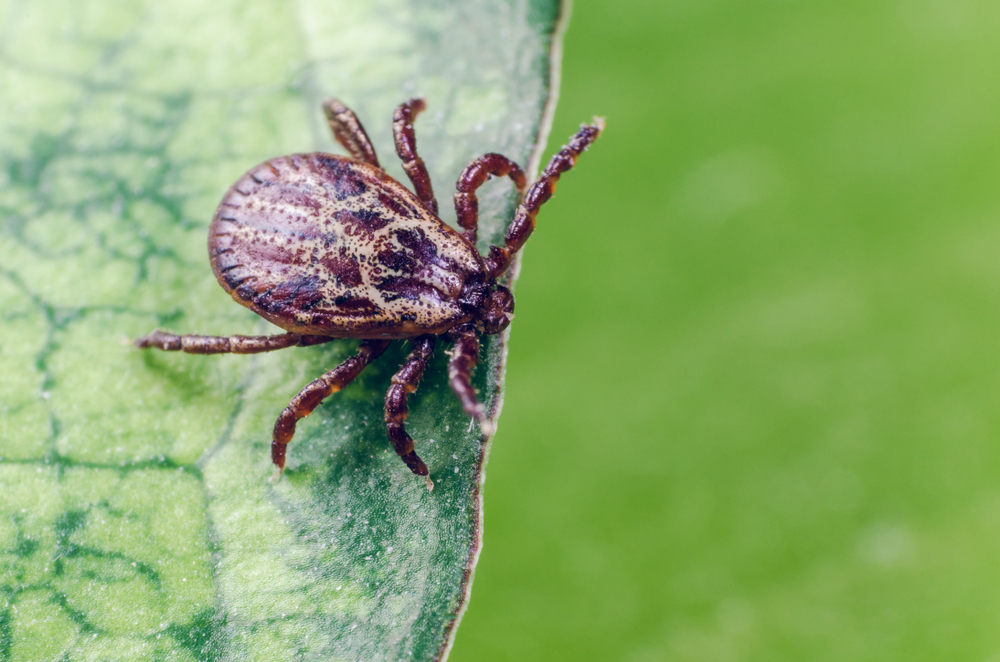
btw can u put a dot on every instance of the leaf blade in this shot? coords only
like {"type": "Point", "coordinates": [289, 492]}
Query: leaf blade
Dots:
{"type": "Point", "coordinates": [114, 156]}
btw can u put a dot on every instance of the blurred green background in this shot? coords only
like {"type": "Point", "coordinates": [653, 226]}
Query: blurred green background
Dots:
{"type": "Point", "coordinates": [753, 383]}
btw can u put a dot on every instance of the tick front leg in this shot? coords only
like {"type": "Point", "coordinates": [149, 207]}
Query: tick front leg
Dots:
{"type": "Point", "coordinates": [347, 130]}
{"type": "Point", "coordinates": [474, 176]}
{"type": "Point", "coordinates": [194, 344]}
{"type": "Point", "coordinates": [405, 382]}
{"type": "Point", "coordinates": [406, 148]}
{"type": "Point", "coordinates": [538, 194]}
{"type": "Point", "coordinates": [464, 356]}
{"type": "Point", "coordinates": [315, 392]}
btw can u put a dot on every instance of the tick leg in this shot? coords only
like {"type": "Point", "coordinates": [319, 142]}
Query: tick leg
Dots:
{"type": "Point", "coordinates": [194, 344]}
{"type": "Point", "coordinates": [406, 148]}
{"type": "Point", "coordinates": [474, 176]}
{"type": "Point", "coordinates": [538, 194]}
{"type": "Point", "coordinates": [464, 356]}
{"type": "Point", "coordinates": [405, 382]}
{"type": "Point", "coordinates": [348, 131]}
{"type": "Point", "coordinates": [315, 392]}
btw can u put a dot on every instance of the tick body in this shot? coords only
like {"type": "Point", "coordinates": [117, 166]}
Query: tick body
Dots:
{"type": "Point", "coordinates": [328, 247]}
{"type": "Point", "coordinates": [320, 244]}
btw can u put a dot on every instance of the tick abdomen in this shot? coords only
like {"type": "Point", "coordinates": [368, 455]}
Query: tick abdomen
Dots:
{"type": "Point", "coordinates": [326, 245]}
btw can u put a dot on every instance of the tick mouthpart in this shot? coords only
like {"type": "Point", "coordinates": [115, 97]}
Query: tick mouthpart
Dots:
{"type": "Point", "coordinates": [497, 311]}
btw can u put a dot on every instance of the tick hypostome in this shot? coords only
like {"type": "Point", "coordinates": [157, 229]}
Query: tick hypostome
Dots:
{"type": "Point", "coordinates": [329, 247]}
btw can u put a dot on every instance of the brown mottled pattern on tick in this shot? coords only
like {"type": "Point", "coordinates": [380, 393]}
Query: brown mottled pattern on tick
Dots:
{"type": "Point", "coordinates": [323, 244]}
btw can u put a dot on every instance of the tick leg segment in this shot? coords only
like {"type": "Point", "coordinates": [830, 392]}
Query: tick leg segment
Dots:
{"type": "Point", "coordinates": [474, 176]}
{"type": "Point", "coordinates": [194, 344]}
{"type": "Point", "coordinates": [405, 382]}
{"type": "Point", "coordinates": [538, 194]}
{"type": "Point", "coordinates": [315, 392]}
{"type": "Point", "coordinates": [464, 356]}
{"type": "Point", "coordinates": [348, 131]}
{"type": "Point", "coordinates": [406, 148]}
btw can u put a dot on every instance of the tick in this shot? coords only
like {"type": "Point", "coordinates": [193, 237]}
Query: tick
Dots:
{"type": "Point", "coordinates": [329, 247]}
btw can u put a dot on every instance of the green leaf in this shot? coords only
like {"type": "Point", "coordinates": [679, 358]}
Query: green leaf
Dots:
{"type": "Point", "coordinates": [137, 519]}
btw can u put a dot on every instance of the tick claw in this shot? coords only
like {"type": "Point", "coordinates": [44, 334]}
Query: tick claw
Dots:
{"type": "Point", "coordinates": [486, 426]}
{"type": "Point", "coordinates": [275, 477]}
{"type": "Point", "coordinates": [430, 484]}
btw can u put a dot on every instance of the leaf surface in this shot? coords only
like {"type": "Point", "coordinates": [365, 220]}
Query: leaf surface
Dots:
{"type": "Point", "coordinates": [136, 518]}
